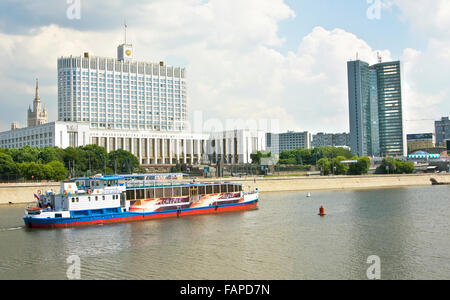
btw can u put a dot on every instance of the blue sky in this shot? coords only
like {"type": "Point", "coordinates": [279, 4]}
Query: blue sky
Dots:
{"type": "Point", "coordinates": [388, 31]}
{"type": "Point", "coordinates": [282, 60]}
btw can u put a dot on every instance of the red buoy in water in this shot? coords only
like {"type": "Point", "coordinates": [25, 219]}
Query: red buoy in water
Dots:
{"type": "Point", "coordinates": [322, 211]}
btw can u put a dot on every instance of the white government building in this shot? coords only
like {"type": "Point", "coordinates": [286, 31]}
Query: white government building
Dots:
{"type": "Point", "coordinates": [137, 106]}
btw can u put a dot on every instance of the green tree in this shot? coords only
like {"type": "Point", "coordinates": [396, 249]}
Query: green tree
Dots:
{"type": "Point", "coordinates": [288, 161]}
{"type": "Point", "coordinates": [324, 165]}
{"type": "Point", "coordinates": [361, 167]}
{"type": "Point", "coordinates": [7, 166]}
{"type": "Point", "coordinates": [337, 167]}
{"type": "Point", "coordinates": [404, 167]}
{"type": "Point", "coordinates": [94, 158]}
{"type": "Point", "coordinates": [256, 158]}
{"type": "Point", "coordinates": [122, 161]}
{"type": "Point", "coordinates": [26, 154]}
{"type": "Point", "coordinates": [388, 166]}
{"type": "Point", "coordinates": [58, 171]}
{"type": "Point", "coordinates": [32, 171]}
{"type": "Point", "coordinates": [72, 159]}
{"type": "Point", "coordinates": [49, 154]}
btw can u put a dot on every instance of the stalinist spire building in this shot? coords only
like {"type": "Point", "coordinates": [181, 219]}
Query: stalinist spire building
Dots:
{"type": "Point", "coordinates": [37, 116]}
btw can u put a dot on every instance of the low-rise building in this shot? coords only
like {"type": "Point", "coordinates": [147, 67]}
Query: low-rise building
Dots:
{"type": "Point", "coordinates": [420, 141]}
{"type": "Point", "coordinates": [331, 139]}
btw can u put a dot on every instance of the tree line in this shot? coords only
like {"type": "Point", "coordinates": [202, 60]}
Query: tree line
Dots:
{"type": "Point", "coordinates": [329, 160]}
{"type": "Point", "coordinates": [53, 163]}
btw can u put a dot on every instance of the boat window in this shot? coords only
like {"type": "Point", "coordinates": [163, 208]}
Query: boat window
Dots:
{"type": "Point", "coordinates": [130, 194]}
{"type": "Point", "coordinates": [176, 192]}
{"type": "Point", "coordinates": [73, 200]}
{"type": "Point", "coordinates": [89, 198]}
{"type": "Point", "coordinates": [209, 189]}
{"type": "Point", "coordinates": [223, 188]}
{"type": "Point", "coordinates": [140, 194]}
{"type": "Point", "coordinates": [103, 197]}
{"type": "Point", "coordinates": [202, 190]}
{"type": "Point", "coordinates": [78, 200]}
{"type": "Point", "coordinates": [158, 192]}
{"type": "Point", "coordinates": [96, 198]}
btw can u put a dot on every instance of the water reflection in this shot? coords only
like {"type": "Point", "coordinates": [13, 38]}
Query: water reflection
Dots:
{"type": "Point", "coordinates": [284, 239]}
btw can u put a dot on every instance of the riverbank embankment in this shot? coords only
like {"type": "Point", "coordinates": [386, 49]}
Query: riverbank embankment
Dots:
{"type": "Point", "coordinates": [23, 192]}
{"type": "Point", "coordinates": [288, 184]}
{"type": "Point", "coordinates": [18, 193]}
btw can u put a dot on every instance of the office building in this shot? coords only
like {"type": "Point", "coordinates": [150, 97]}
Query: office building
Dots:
{"type": "Point", "coordinates": [375, 108]}
{"type": "Point", "coordinates": [331, 139]}
{"type": "Point", "coordinates": [390, 111]}
{"type": "Point", "coordinates": [442, 129]}
{"type": "Point", "coordinates": [273, 143]}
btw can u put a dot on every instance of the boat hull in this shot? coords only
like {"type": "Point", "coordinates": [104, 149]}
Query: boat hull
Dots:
{"type": "Point", "coordinates": [136, 216]}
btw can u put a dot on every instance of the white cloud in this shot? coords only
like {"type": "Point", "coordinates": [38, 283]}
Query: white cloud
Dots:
{"type": "Point", "coordinates": [234, 70]}
{"type": "Point", "coordinates": [430, 18]}
{"type": "Point", "coordinates": [426, 72]}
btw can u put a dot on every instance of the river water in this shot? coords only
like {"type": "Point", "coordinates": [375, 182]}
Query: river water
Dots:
{"type": "Point", "coordinates": [407, 228]}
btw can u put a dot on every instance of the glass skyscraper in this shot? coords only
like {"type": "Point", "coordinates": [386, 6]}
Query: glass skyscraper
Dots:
{"type": "Point", "coordinates": [390, 112]}
{"type": "Point", "coordinates": [375, 108]}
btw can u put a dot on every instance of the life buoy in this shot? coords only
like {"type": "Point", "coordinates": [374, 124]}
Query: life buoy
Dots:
{"type": "Point", "coordinates": [89, 191]}
{"type": "Point", "coordinates": [65, 193]}
{"type": "Point", "coordinates": [39, 192]}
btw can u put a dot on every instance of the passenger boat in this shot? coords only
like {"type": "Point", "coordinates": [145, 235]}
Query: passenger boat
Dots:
{"type": "Point", "coordinates": [112, 199]}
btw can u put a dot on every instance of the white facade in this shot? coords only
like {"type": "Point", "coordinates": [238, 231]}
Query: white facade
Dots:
{"type": "Point", "coordinates": [235, 146]}
{"type": "Point", "coordinates": [151, 148]}
{"type": "Point", "coordinates": [121, 93]}
{"type": "Point", "coordinates": [37, 136]}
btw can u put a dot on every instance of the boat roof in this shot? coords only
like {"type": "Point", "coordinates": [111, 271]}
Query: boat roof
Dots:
{"type": "Point", "coordinates": [132, 176]}
{"type": "Point", "coordinates": [102, 177]}
{"type": "Point", "coordinates": [162, 183]}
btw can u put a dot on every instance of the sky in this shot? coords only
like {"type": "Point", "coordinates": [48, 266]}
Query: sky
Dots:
{"type": "Point", "coordinates": [277, 62]}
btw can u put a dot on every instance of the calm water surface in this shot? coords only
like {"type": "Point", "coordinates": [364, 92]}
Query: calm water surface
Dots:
{"type": "Point", "coordinates": [408, 229]}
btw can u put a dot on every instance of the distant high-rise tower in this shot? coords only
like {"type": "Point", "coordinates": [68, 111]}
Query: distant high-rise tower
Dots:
{"type": "Point", "coordinates": [390, 109]}
{"type": "Point", "coordinates": [37, 116]}
{"type": "Point", "coordinates": [359, 106]}
{"type": "Point", "coordinates": [375, 106]}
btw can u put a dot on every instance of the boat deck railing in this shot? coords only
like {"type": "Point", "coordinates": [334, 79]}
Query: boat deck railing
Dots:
{"type": "Point", "coordinates": [155, 183]}
{"type": "Point", "coordinates": [165, 183]}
